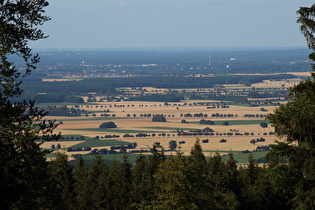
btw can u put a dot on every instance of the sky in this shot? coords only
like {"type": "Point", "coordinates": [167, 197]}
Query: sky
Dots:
{"type": "Point", "coordinates": [81, 24]}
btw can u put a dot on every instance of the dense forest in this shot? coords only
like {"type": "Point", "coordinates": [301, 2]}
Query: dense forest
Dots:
{"type": "Point", "coordinates": [176, 182]}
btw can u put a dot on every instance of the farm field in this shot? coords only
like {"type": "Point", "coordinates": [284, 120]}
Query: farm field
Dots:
{"type": "Point", "coordinates": [163, 132]}
{"type": "Point", "coordinates": [236, 125]}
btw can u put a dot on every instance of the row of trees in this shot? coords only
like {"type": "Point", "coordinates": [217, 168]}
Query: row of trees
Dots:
{"type": "Point", "coordinates": [64, 111]}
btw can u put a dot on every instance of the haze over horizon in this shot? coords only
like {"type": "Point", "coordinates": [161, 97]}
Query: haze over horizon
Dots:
{"type": "Point", "coordinates": [178, 23]}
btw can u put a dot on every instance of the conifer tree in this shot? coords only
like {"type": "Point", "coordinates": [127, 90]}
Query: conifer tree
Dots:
{"type": "Point", "coordinates": [61, 179]}
{"type": "Point", "coordinates": [174, 186]}
{"type": "Point", "coordinates": [200, 189]}
{"type": "Point", "coordinates": [23, 167]}
{"type": "Point", "coordinates": [98, 175]}
{"type": "Point", "coordinates": [82, 186]}
{"type": "Point", "coordinates": [140, 178]}
{"type": "Point", "coordinates": [294, 124]}
{"type": "Point", "coordinates": [119, 185]}
{"type": "Point", "coordinates": [232, 176]}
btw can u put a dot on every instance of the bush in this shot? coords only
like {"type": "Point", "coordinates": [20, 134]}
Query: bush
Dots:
{"type": "Point", "coordinates": [263, 124]}
{"type": "Point", "coordinates": [172, 145]}
{"type": "Point", "coordinates": [226, 123]}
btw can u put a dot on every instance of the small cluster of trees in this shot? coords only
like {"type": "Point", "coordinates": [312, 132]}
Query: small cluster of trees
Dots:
{"type": "Point", "coordinates": [64, 111]}
{"type": "Point", "coordinates": [254, 141]}
{"type": "Point", "coordinates": [194, 115]}
{"type": "Point", "coordinates": [115, 149]}
{"type": "Point", "coordinates": [255, 115]}
{"type": "Point", "coordinates": [206, 131]}
{"type": "Point", "coordinates": [223, 115]}
{"type": "Point", "coordinates": [158, 118]}
{"type": "Point", "coordinates": [206, 122]}
{"type": "Point", "coordinates": [108, 136]}
{"type": "Point", "coordinates": [107, 125]}
{"type": "Point", "coordinates": [73, 149]}
{"type": "Point", "coordinates": [66, 138]}
{"type": "Point", "coordinates": [105, 115]}
{"type": "Point", "coordinates": [58, 146]}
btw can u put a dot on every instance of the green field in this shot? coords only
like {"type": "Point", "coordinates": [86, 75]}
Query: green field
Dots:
{"type": "Point", "coordinates": [100, 143]}
{"type": "Point", "coordinates": [243, 158]}
{"type": "Point", "coordinates": [234, 122]}
{"type": "Point", "coordinates": [240, 158]}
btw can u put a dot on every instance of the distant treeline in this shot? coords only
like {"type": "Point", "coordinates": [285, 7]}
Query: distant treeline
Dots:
{"type": "Point", "coordinates": [59, 91]}
{"type": "Point", "coordinates": [103, 85]}
{"type": "Point", "coordinates": [169, 97]}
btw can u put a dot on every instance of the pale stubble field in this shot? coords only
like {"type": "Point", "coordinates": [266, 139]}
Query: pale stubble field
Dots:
{"type": "Point", "coordinates": [88, 126]}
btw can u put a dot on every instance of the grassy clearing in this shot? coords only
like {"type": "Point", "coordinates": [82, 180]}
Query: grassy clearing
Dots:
{"type": "Point", "coordinates": [52, 155]}
{"type": "Point", "coordinates": [100, 143]}
{"type": "Point", "coordinates": [243, 158]}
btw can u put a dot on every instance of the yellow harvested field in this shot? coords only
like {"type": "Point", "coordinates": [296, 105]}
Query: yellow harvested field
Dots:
{"type": "Point", "coordinates": [88, 126]}
{"type": "Point", "coordinates": [300, 73]}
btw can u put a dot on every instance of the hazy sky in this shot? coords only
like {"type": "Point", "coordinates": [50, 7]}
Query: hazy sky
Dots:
{"type": "Point", "coordinates": [172, 23]}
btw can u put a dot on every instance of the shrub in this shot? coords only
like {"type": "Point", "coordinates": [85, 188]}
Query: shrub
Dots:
{"type": "Point", "coordinates": [263, 124]}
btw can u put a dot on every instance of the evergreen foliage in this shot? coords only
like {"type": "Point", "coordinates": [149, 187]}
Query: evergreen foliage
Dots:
{"type": "Point", "coordinates": [24, 177]}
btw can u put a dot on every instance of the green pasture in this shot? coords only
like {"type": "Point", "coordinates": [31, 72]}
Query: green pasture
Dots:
{"type": "Point", "coordinates": [51, 155]}
{"type": "Point", "coordinates": [100, 143]}
{"type": "Point", "coordinates": [243, 157]}
{"type": "Point", "coordinates": [233, 122]}
{"type": "Point", "coordinates": [241, 122]}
